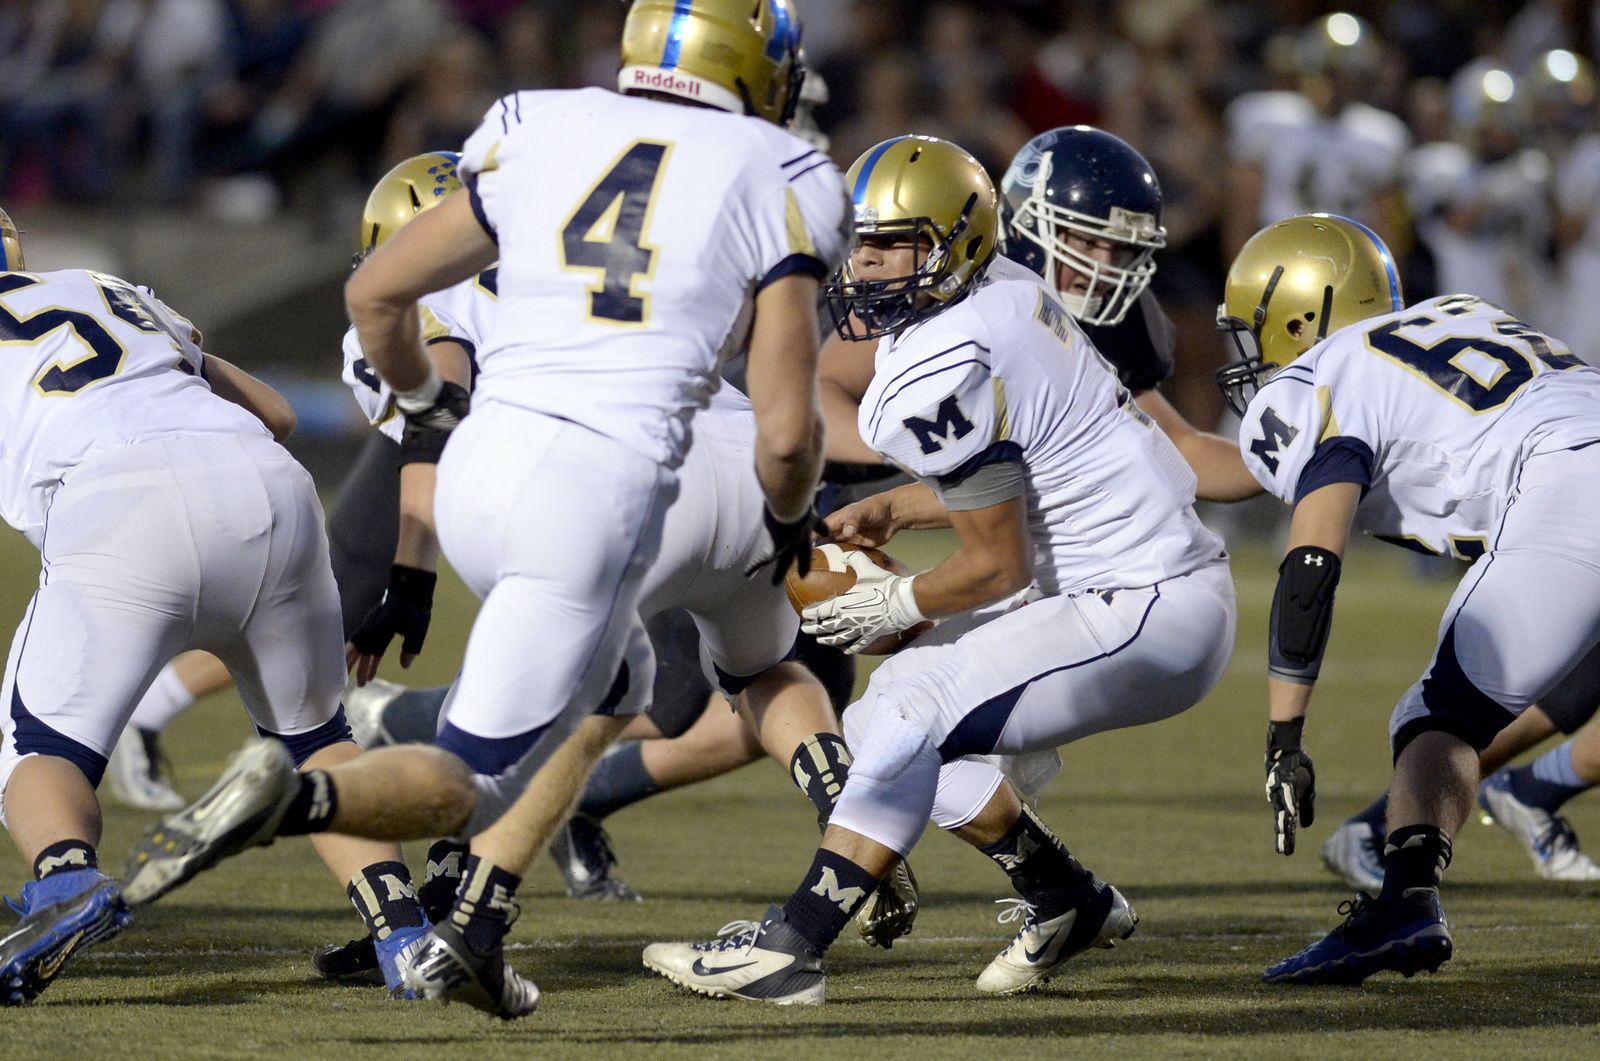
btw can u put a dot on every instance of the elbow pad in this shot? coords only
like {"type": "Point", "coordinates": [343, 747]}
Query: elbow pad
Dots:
{"type": "Point", "coordinates": [1302, 614]}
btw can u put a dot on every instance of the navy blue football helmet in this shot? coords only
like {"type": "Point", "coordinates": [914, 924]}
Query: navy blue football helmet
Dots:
{"type": "Point", "coordinates": [1071, 196]}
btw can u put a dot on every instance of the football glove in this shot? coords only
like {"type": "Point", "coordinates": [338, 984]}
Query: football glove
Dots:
{"type": "Point", "coordinates": [878, 604]}
{"type": "Point", "coordinates": [1291, 782]}
{"type": "Point", "coordinates": [429, 422]}
{"type": "Point", "coordinates": [406, 609]}
{"type": "Point", "coordinates": [791, 544]}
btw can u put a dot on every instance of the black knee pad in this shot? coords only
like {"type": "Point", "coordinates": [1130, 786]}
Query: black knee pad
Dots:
{"type": "Point", "coordinates": [680, 693]}
{"type": "Point", "coordinates": [1574, 700]}
{"type": "Point", "coordinates": [1455, 705]}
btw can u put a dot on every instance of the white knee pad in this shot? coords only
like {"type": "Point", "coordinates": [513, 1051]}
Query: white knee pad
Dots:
{"type": "Point", "coordinates": [965, 788]}
{"type": "Point", "coordinates": [890, 792]}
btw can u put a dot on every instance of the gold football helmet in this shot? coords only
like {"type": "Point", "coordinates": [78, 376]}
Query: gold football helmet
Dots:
{"type": "Point", "coordinates": [10, 246]}
{"type": "Point", "coordinates": [917, 186]}
{"type": "Point", "coordinates": [404, 192]}
{"type": "Point", "coordinates": [736, 55]}
{"type": "Point", "coordinates": [1292, 285]}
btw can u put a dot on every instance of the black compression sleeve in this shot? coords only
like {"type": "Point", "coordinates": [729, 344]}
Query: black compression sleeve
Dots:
{"type": "Point", "coordinates": [1302, 614]}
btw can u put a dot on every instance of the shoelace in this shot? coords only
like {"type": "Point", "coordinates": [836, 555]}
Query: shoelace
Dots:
{"type": "Point", "coordinates": [1557, 835]}
{"type": "Point", "coordinates": [1016, 909]}
{"type": "Point", "coordinates": [735, 935]}
{"type": "Point", "coordinates": [1351, 909]}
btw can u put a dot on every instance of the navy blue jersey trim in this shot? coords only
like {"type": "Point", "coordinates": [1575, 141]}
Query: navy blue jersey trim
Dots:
{"type": "Point", "coordinates": [800, 157]}
{"type": "Point", "coordinates": [303, 746]}
{"type": "Point", "coordinates": [872, 426]}
{"type": "Point", "coordinates": [477, 209]}
{"type": "Point", "coordinates": [997, 453]}
{"type": "Point", "coordinates": [793, 177]}
{"type": "Point", "coordinates": [1341, 459]}
{"type": "Point", "coordinates": [809, 264]}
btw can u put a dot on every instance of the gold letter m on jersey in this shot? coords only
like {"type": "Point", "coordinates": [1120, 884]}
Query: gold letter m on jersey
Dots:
{"type": "Point", "coordinates": [828, 887]}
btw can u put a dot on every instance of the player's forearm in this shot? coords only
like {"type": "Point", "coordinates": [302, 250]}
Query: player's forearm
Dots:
{"type": "Point", "coordinates": [418, 545]}
{"type": "Point", "coordinates": [965, 580]}
{"type": "Point", "coordinates": [1287, 701]}
{"type": "Point", "coordinates": [390, 334]}
{"type": "Point", "coordinates": [789, 466]}
{"type": "Point", "coordinates": [1219, 471]}
{"type": "Point", "coordinates": [915, 506]}
{"type": "Point", "coordinates": [233, 383]}
{"type": "Point", "coordinates": [840, 410]}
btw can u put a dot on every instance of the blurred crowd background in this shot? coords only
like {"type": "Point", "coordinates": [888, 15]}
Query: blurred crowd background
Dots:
{"type": "Point", "coordinates": [220, 150]}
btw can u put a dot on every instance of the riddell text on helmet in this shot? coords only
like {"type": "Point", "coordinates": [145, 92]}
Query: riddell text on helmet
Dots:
{"type": "Point", "coordinates": [666, 82]}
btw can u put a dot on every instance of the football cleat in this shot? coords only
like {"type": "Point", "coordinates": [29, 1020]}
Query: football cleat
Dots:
{"type": "Point", "coordinates": [394, 952]}
{"type": "Point", "coordinates": [1402, 935]}
{"type": "Point", "coordinates": [891, 910]}
{"type": "Point", "coordinates": [441, 966]}
{"type": "Point", "coordinates": [53, 930]}
{"type": "Point", "coordinates": [582, 852]}
{"type": "Point", "coordinates": [1355, 853]}
{"type": "Point", "coordinates": [765, 961]}
{"type": "Point", "coordinates": [1548, 838]}
{"type": "Point", "coordinates": [355, 962]}
{"type": "Point", "coordinates": [363, 710]}
{"type": "Point", "coordinates": [241, 810]}
{"type": "Point", "coordinates": [1040, 946]}
{"type": "Point", "coordinates": [134, 772]}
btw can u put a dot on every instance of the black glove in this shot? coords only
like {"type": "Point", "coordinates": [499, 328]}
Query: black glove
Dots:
{"type": "Point", "coordinates": [1291, 782]}
{"type": "Point", "coordinates": [791, 544]}
{"type": "Point", "coordinates": [428, 429]}
{"type": "Point", "coordinates": [405, 609]}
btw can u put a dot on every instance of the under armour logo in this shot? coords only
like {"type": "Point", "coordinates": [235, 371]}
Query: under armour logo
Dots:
{"type": "Point", "coordinates": [828, 888]}
{"type": "Point", "coordinates": [321, 804]}
{"type": "Point", "coordinates": [1312, 559]}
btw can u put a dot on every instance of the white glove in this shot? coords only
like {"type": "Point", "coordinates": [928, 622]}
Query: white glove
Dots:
{"type": "Point", "coordinates": [871, 608]}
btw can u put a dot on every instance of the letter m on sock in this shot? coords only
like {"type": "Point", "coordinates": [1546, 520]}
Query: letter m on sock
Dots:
{"type": "Point", "coordinates": [828, 887]}
{"type": "Point", "coordinates": [949, 424]}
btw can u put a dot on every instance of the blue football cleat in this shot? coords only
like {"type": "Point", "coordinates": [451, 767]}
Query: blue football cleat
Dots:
{"type": "Point", "coordinates": [394, 952]}
{"type": "Point", "coordinates": [1404, 936]}
{"type": "Point", "coordinates": [63, 914]}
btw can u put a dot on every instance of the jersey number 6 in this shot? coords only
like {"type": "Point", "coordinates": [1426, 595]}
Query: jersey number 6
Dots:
{"type": "Point", "coordinates": [605, 234]}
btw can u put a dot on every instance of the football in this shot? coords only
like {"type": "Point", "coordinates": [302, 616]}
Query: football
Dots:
{"type": "Point", "coordinates": [831, 575]}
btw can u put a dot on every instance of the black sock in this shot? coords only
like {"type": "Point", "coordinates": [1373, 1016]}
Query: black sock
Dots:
{"type": "Point", "coordinates": [619, 779]}
{"type": "Point", "coordinates": [819, 766]}
{"type": "Point", "coordinates": [442, 879]}
{"type": "Point", "coordinates": [1414, 859]}
{"type": "Point", "coordinates": [65, 855]}
{"type": "Point", "coordinates": [833, 891]}
{"type": "Point", "coordinates": [311, 810]}
{"type": "Point", "coordinates": [1041, 868]}
{"type": "Point", "coordinates": [486, 903]}
{"type": "Point", "coordinates": [383, 896]}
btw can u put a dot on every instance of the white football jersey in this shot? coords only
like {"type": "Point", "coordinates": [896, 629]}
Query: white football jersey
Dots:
{"type": "Point", "coordinates": [460, 314]}
{"type": "Point", "coordinates": [92, 363]}
{"type": "Point", "coordinates": [1309, 162]}
{"type": "Point", "coordinates": [634, 235]}
{"type": "Point", "coordinates": [1005, 374]}
{"type": "Point", "coordinates": [1500, 254]}
{"type": "Point", "coordinates": [1434, 407]}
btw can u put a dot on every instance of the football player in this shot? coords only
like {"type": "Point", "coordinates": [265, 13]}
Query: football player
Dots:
{"type": "Point", "coordinates": [1450, 426]}
{"type": "Point", "coordinates": [1319, 147]}
{"type": "Point", "coordinates": [678, 222]}
{"type": "Point", "coordinates": [175, 521]}
{"type": "Point", "coordinates": [1057, 623]}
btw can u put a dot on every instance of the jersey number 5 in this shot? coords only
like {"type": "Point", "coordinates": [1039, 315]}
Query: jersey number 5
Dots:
{"type": "Point", "coordinates": [105, 352]}
{"type": "Point", "coordinates": [605, 234]}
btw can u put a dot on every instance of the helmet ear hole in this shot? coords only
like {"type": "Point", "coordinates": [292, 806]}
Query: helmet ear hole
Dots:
{"type": "Point", "coordinates": [974, 247]}
{"type": "Point", "coordinates": [1296, 328]}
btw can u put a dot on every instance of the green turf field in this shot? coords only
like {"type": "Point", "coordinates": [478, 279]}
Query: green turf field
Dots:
{"type": "Point", "coordinates": [1173, 814]}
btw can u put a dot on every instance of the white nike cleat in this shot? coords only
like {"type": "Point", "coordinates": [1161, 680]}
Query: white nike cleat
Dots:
{"type": "Point", "coordinates": [1355, 853]}
{"type": "Point", "coordinates": [765, 961]}
{"type": "Point", "coordinates": [242, 810]}
{"type": "Point", "coordinates": [363, 710]}
{"type": "Point", "coordinates": [1041, 946]}
{"type": "Point", "coordinates": [134, 777]}
{"type": "Point", "coordinates": [1548, 838]}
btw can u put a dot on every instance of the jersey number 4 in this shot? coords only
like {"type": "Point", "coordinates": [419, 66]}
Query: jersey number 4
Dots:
{"type": "Point", "coordinates": [105, 352]}
{"type": "Point", "coordinates": [605, 234]}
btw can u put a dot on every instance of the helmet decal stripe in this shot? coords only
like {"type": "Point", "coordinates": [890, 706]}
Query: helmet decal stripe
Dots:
{"type": "Point", "coordinates": [783, 31]}
{"type": "Point", "coordinates": [1388, 262]}
{"type": "Point", "coordinates": [865, 176]}
{"type": "Point", "coordinates": [674, 44]}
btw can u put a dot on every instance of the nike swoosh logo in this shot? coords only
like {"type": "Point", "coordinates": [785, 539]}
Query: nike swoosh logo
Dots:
{"type": "Point", "coordinates": [1061, 933]}
{"type": "Point", "coordinates": [700, 969]}
{"type": "Point", "coordinates": [48, 969]}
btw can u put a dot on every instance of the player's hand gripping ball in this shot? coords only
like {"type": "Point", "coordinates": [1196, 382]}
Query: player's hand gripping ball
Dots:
{"type": "Point", "coordinates": [857, 599]}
